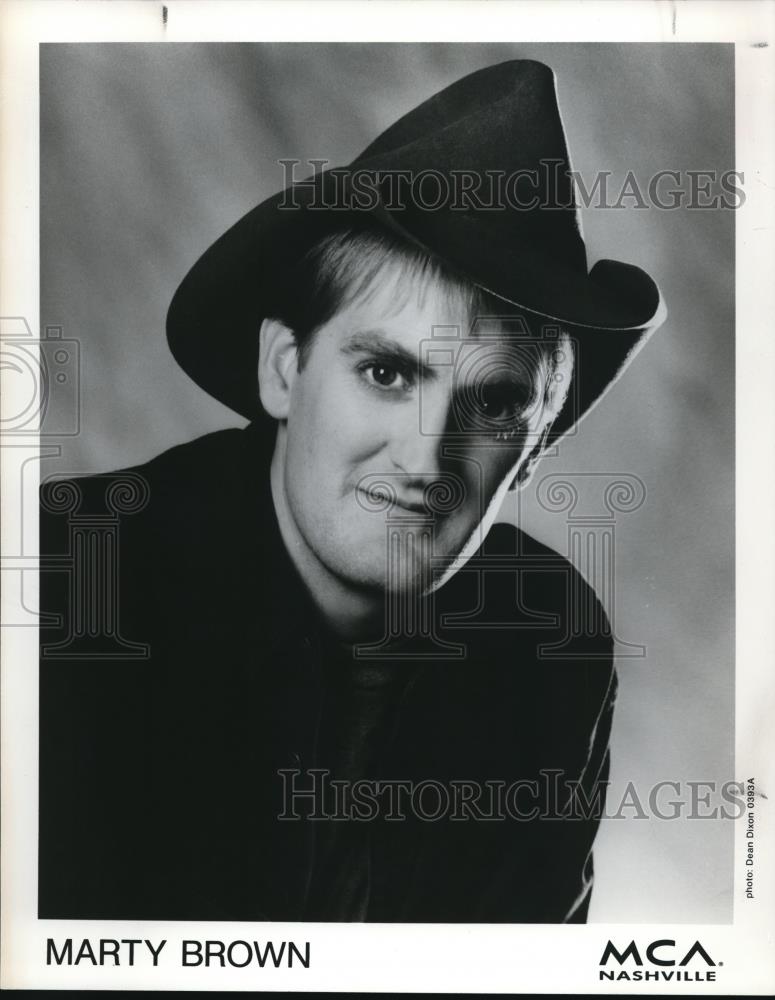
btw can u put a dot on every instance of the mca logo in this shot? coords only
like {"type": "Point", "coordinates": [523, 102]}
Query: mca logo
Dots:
{"type": "Point", "coordinates": [661, 953]}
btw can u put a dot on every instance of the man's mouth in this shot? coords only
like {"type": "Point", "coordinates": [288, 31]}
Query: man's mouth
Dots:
{"type": "Point", "coordinates": [381, 499]}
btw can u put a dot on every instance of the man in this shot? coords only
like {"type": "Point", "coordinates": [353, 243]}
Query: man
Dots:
{"type": "Point", "coordinates": [294, 671]}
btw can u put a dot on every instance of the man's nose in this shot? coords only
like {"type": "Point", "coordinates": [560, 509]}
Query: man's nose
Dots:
{"type": "Point", "coordinates": [416, 439]}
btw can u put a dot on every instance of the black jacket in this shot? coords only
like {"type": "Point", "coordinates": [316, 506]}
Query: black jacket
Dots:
{"type": "Point", "coordinates": [170, 706]}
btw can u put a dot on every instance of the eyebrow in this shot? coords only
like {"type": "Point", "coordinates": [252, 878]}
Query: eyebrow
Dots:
{"type": "Point", "coordinates": [388, 350]}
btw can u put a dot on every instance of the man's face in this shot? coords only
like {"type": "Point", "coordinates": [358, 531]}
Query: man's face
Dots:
{"type": "Point", "coordinates": [399, 434]}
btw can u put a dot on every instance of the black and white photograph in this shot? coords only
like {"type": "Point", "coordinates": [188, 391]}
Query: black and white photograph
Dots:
{"type": "Point", "coordinates": [381, 452]}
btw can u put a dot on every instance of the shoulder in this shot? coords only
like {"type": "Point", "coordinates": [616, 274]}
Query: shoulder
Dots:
{"type": "Point", "coordinates": [537, 620]}
{"type": "Point", "coordinates": [195, 468]}
{"type": "Point", "coordinates": [182, 459]}
{"type": "Point", "coordinates": [188, 506]}
{"type": "Point", "coordinates": [163, 544]}
{"type": "Point", "coordinates": [562, 622]}
{"type": "Point", "coordinates": [538, 666]}
{"type": "Point", "coordinates": [214, 452]}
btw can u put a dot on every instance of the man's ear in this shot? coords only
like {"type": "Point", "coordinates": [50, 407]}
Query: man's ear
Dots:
{"type": "Point", "coordinates": [529, 462]}
{"type": "Point", "coordinates": [277, 367]}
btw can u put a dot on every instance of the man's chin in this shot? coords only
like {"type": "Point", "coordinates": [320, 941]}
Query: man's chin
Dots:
{"type": "Point", "coordinates": [382, 577]}
{"type": "Point", "coordinates": [404, 562]}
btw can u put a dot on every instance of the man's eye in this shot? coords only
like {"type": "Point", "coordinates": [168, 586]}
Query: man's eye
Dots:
{"type": "Point", "coordinates": [501, 402]}
{"type": "Point", "coordinates": [384, 376]}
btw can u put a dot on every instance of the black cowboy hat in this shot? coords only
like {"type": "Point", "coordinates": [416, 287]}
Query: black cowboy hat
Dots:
{"type": "Point", "coordinates": [500, 125]}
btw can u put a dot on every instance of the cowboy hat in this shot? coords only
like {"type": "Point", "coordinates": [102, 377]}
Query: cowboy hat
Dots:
{"type": "Point", "coordinates": [499, 124]}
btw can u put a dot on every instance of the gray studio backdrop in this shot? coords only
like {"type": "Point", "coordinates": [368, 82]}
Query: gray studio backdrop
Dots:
{"type": "Point", "coordinates": [148, 152]}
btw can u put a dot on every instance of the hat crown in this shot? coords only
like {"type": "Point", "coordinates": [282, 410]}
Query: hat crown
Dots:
{"type": "Point", "coordinates": [501, 125]}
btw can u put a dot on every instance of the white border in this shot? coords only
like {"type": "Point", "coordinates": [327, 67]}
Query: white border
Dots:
{"type": "Point", "coordinates": [395, 958]}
